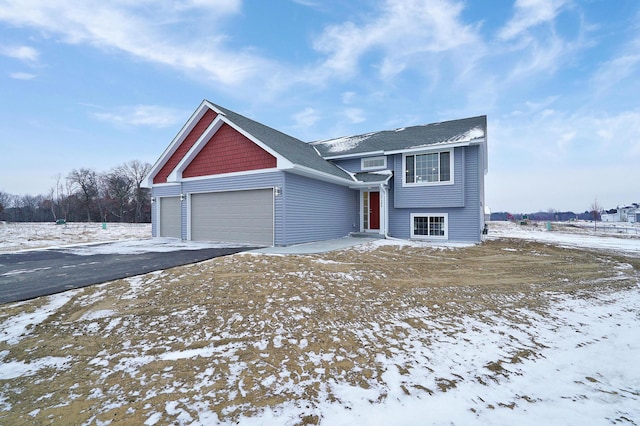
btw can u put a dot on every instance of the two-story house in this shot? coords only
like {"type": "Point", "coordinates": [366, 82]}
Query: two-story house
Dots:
{"type": "Point", "coordinates": [225, 177]}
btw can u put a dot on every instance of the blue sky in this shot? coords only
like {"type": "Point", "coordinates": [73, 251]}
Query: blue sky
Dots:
{"type": "Point", "coordinates": [95, 84]}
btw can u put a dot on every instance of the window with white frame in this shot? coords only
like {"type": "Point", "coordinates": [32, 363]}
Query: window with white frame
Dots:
{"type": "Point", "coordinates": [373, 163]}
{"type": "Point", "coordinates": [430, 226]}
{"type": "Point", "coordinates": [428, 168]}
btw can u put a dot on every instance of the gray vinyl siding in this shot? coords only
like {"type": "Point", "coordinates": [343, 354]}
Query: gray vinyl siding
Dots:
{"type": "Point", "coordinates": [317, 210]}
{"type": "Point", "coordinates": [436, 196]}
{"type": "Point", "coordinates": [350, 164]}
{"type": "Point", "coordinates": [464, 223]}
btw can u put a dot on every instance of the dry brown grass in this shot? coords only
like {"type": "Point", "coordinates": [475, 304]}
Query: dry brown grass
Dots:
{"type": "Point", "coordinates": [279, 329]}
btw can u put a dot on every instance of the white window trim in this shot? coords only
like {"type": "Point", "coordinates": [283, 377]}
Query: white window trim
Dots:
{"type": "Point", "coordinates": [451, 181]}
{"type": "Point", "coordinates": [364, 168]}
{"type": "Point", "coordinates": [430, 237]}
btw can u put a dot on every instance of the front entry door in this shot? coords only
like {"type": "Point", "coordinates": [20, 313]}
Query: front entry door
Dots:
{"type": "Point", "coordinates": [371, 210]}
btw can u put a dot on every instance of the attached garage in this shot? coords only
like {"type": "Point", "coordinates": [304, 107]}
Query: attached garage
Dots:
{"type": "Point", "coordinates": [234, 216]}
{"type": "Point", "coordinates": [170, 217]}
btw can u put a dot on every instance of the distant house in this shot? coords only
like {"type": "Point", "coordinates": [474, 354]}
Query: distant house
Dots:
{"type": "Point", "coordinates": [629, 214]}
{"type": "Point", "coordinates": [225, 177]}
{"type": "Point", "coordinates": [611, 215]}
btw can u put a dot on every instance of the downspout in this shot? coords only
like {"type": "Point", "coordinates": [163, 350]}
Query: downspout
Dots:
{"type": "Point", "coordinates": [383, 190]}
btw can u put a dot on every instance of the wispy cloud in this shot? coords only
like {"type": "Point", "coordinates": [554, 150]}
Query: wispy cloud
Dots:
{"type": "Point", "coordinates": [142, 115]}
{"type": "Point", "coordinates": [306, 118]}
{"type": "Point", "coordinates": [355, 115]}
{"type": "Point", "coordinates": [528, 14]}
{"type": "Point", "coordinates": [140, 29]}
{"type": "Point", "coordinates": [23, 53]}
{"type": "Point", "coordinates": [621, 68]}
{"type": "Point", "coordinates": [308, 3]}
{"type": "Point", "coordinates": [403, 31]}
{"type": "Point", "coordinates": [22, 76]}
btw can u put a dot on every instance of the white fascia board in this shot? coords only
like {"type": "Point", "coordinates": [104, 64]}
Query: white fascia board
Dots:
{"type": "Point", "coordinates": [435, 147]}
{"type": "Point", "coordinates": [176, 173]}
{"type": "Point", "coordinates": [175, 143]}
{"type": "Point", "coordinates": [315, 174]}
{"type": "Point", "coordinates": [358, 155]}
{"type": "Point", "coordinates": [432, 147]}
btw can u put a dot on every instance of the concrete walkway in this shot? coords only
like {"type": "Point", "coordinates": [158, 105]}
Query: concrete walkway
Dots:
{"type": "Point", "coordinates": [316, 246]}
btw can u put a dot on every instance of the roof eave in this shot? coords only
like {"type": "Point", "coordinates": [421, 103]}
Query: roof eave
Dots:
{"type": "Point", "coordinates": [436, 146]}
{"type": "Point", "coordinates": [360, 154]}
{"type": "Point", "coordinates": [316, 174]}
{"type": "Point", "coordinates": [431, 147]}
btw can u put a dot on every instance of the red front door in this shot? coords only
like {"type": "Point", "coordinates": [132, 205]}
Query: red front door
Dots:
{"type": "Point", "coordinates": [374, 210]}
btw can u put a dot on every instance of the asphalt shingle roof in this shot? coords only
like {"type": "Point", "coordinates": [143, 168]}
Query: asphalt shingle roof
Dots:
{"type": "Point", "coordinates": [463, 130]}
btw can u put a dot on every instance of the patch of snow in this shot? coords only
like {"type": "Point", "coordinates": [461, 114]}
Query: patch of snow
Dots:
{"type": "Point", "coordinates": [155, 245]}
{"type": "Point", "coordinates": [586, 238]}
{"type": "Point", "coordinates": [469, 135]}
{"type": "Point", "coordinates": [92, 315]}
{"type": "Point", "coordinates": [17, 327]}
{"type": "Point", "coordinates": [27, 235]}
{"type": "Point", "coordinates": [13, 369]}
{"type": "Point", "coordinates": [344, 144]}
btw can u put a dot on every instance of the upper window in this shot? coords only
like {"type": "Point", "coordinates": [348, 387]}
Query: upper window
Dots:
{"type": "Point", "coordinates": [373, 163]}
{"type": "Point", "coordinates": [428, 169]}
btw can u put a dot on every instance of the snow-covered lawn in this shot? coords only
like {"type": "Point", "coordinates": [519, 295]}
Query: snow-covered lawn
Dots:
{"type": "Point", "coordinates": [22, 236]}
{"type": "Point", "coordinates": [527, 328]}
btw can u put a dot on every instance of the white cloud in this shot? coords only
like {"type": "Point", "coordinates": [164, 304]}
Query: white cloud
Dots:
{"type": "Point", "coordinates": [140, 29]}
{"type": "Point", "coordinates": [621, 69]}
{"type": "Point", "coordinates": [355, 115]}
{"type": "Point", "coordinates": [306, 118]}
{"type": "Point", "coordinates": [528, 14]}
{"type": "Point", "coordinates": [401, 30]}
{"type": "Point", "coordinates": [22, 76]}
{"type": "Point", "coordinates": [308, 3]}
{"type": "Point", "coordinates": [23, 53]}
{"type": "Point", "coordinates": [142, 115]}
{"type": "Point", "coordinates": [544, 56]}
{"type": "Point", "coordinates": [348, 97]}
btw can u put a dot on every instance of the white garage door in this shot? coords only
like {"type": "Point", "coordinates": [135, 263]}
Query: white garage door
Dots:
{"type": "Point", "coordinates": [170, 217]}
{"type": "Point", "coordinates": [235, 216]}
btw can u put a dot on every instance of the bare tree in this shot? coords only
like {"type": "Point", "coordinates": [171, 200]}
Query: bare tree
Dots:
{"type": "Point", "coordinates": [137, 171]}
{"type": "Point", "coordinates": [118, 193]}
{"type": "Point", "coordinates": [595, 209]}
{"type": "Point", "coordinates": [85, 182]}
{"type": "Point", "coordinates": [5, 200]}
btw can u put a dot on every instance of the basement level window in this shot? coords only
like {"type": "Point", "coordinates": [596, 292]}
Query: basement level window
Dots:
{"type": "Point", "coordinates": [430, 226]}
{"type": "Point", "coordinates": [373, 163]}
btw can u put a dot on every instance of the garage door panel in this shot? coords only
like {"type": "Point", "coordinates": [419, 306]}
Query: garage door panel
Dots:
{"type": "Point", "coordinates": [235, 216]}
{"type": "Point", "coordinates": [170, 224]}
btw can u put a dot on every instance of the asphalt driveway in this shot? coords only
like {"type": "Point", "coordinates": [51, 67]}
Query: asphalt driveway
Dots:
{"type": "Point", "coordinates": [29, 274]}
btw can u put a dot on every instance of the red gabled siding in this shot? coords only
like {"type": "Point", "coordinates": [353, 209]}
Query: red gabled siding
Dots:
{"type": "Point", "coordinates": [185, 146]}
{"type": "Point", "coordinates": [229, 151]}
